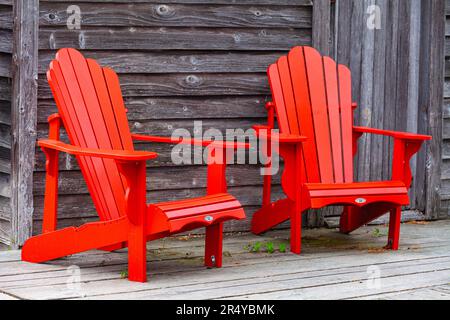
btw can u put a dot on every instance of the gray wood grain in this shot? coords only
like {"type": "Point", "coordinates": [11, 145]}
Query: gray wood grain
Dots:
{"type": "Point", "coordinates": [5, 136]}
{"type": "Point", "coordinates": [7, 42]}
{"type": "Point", "coordinates": [178, 15]}
{"type": "Point", "coordinates": [23, 118]}
{"type": "Point", "coordinates": [184, 107]}
{"type": "Point", "coordinates": [163, 178]}
{"type": "Point", "coordinates": [6, 21]}
{"type": "Point", "coordinates": [5, 112]}
{"type": "Point", "coordinates": [175, 61]}
{"type": "Point", "coordinates": [170, 85]}
{"type": "Point", "coordinates": [136, 38]}
{"type": "Point", "coordinates": [5, 65]}
{"type": "Point", "coordinates": [386, 75]}
{"type": "Point", "coordinates": [413, 85]}
{"type": "Point", "coordinates": [5, 208]}
{"type": "Point", "coordinates": [321, 26]}
{"type": "Point", "coordinates": [379, 72]}
{"type": "Point", "coordinates": [366, 95]}
{"type": "Point", "coordinates": [233, 2]}
{"type": "Point", "coordinates": [5, 89]}
{"type": "Point", "coordinates": [431, 101]}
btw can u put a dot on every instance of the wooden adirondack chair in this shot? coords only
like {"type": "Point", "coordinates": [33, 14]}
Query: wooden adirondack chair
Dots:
{"type": "Point", "coordinates": [312, 100]}
{"type": "Point", "coordinates": [92, 111]}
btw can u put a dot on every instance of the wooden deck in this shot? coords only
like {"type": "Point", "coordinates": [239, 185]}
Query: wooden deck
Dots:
{"type": "Point", "coordinates": [332, 266]}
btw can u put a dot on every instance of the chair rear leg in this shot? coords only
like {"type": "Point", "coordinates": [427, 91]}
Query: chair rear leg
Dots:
{"type": "Point", "coordinates": [296, 230]}
{"type": "Point", "coordinates": [213, 245]}
{"type": "Point", "coordinates": [394, 228]}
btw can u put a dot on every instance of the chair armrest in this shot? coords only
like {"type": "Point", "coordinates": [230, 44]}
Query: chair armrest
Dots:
{"type": "Point", "coordinates": [280, 137]}
{"type": "Point", "coordinates": [123, 155]}
{"type": "Point", "coordinates": [197, 142]}
{"type": "Point", "coordinates": [394, 134]}
{"type": "Point", "coordinates": [405, 146]}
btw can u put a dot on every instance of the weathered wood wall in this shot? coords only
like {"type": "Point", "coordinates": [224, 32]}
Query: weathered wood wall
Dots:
{"type": "Point", "coordinates": [394, 74]}
{"type": "Point", "coordinates": [6, 23]}
{"type": "Point", "coordinates": [184, 60]}
{"type": "Point", "coordinates": [445, 189]}
{"type": "Point", "coordinates": [23, 117]}
{"type": "Point", "coordinates": [206, 60]}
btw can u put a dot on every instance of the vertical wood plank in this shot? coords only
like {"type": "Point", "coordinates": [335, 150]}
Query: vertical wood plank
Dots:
{"type": "Point", "coordinates": [23, 117]}
{"type": "Point", "coordinates": [390, 80]}
{"type": "Point", "coordinates": [394, 83]}
{"type": "Point", "coordinates": [379, 72]}
{"type": "Point", "coordinates": [430, 102]}
{"type": "Point", "coordinates": [321, 26]}
{"type": "Point", "coordinates": [321, 33]}
{"type": "Point", "coordinates": [413, 83]}
{"type": "Point", "coordinates": [366, 95]}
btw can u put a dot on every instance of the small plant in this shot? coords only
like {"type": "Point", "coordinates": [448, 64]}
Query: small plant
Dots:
{"type": "Point", "coordinates": [270, 247]}
{"type": "Point", "coordinates": [124, 274]}
{"type": "Point", "coordinates": [378, 233]}
{"type": "Point", "coordinates": [256, 247]}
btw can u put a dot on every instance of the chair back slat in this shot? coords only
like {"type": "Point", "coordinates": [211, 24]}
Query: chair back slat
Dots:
{"type": "Point", "coordinates": [85, 96]}
{"type": "Point", "coordinates": [312, 96]}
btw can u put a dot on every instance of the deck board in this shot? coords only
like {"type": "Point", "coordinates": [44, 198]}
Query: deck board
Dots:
{"type": "Point", "coordinates": [332, 266]}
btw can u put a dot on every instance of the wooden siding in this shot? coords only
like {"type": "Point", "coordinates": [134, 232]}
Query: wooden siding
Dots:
{"type": "Point", "coordinates": [6, 21]}
{"type": "Point", "coordinates": [445, 188]}
{"type": "Point", "coordinates": [389, 85]}
{"type": "Point", "coordinates": [178, 62]}
{"type": "Point", "coordinates": [205, 60]}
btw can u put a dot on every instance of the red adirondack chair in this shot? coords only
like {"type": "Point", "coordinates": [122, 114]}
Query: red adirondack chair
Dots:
{"type": "Point", "coordinates": [92, 111]}
{"type": "Point", "coordinates": [312, 100]}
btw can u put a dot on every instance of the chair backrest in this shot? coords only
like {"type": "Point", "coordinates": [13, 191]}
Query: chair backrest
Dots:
{"type": "Point", "coordinates": [312, 96]}
{"type": "Point", "coordinates": [90, 103]}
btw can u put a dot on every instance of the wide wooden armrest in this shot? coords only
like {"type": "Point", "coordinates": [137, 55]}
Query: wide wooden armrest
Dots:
{"type": "Point", "coordinates": [394, 134]}
{"type": "Point", "coordinates": [101, 153]}
{"type": "Point", "coordinates": [264, 132]}
{"type": "Point", "coordinates": [197, 142]}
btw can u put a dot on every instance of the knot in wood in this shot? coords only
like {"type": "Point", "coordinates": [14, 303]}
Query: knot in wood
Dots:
{"type": "Point", "coordinates": [192, 80]}
{"type": "Point", "coordinates": [52, 17]}
{"type": "Point", "coordinates": [163, 10]}
{"type": "Point", "coordinates": [257, 13]}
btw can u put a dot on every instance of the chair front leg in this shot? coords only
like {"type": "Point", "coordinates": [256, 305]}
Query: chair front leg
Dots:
{"type": "Point", "coordinates": [51, 191]}
{"type": "Point", "coordinates": [51, 178]}
{"type": "Point", "coordinates": [394, 228]}
{"type": "Point", "coordinates": [136, 208]}
{"type": "Point", "coordinates": [216, 183]}
{"type": "Point", "coordinates": [296, 214]}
